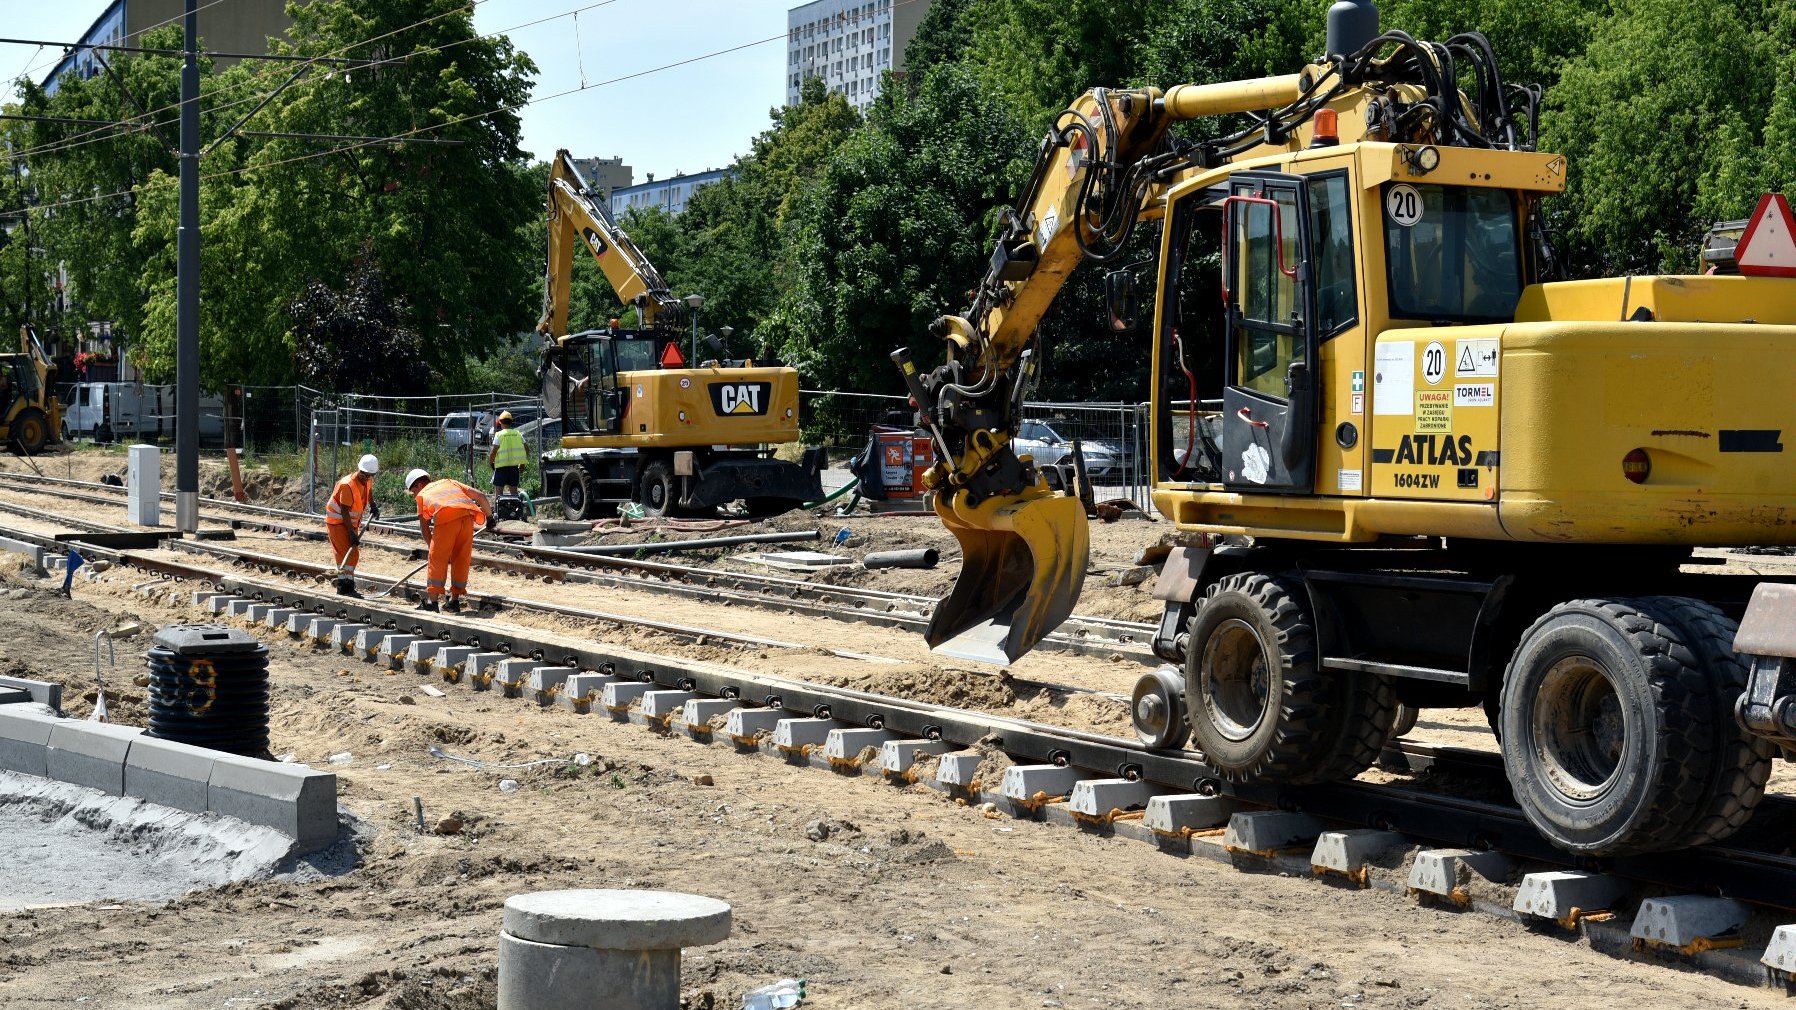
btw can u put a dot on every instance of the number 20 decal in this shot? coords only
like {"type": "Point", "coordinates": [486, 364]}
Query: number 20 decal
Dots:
{"type": "Point", "coordinates": [1403, 204]}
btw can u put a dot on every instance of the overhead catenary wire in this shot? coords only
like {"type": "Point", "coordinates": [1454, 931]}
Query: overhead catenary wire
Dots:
{"type": "Point", "coordinates": [33, 68]}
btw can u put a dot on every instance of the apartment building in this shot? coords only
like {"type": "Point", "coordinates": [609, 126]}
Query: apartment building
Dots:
{"type": "Point", "coordinates": [850, 44]}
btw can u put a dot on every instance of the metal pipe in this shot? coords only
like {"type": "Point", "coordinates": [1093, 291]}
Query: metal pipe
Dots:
{"type": "Point", "coordinates": [702, 543]}
{"type": "Point", "coordinates": [925, 557]}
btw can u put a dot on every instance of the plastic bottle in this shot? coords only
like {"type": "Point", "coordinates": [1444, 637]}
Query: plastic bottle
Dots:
{"type": "Point", "coordinates": [787, 992]}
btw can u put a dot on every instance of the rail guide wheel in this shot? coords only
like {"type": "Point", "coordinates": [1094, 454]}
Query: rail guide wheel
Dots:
{"type": "Point", "coordinates": [1157, 709]}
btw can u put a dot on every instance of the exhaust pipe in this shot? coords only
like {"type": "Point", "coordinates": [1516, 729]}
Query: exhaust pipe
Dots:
{"type": "Point", "coordinates": [1352, 24]}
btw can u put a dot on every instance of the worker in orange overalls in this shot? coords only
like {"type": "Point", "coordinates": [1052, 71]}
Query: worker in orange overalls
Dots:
{"type": "Point", "coordinates": [447, 513]}
{"type": "Point", "coordinates": [346, 516]}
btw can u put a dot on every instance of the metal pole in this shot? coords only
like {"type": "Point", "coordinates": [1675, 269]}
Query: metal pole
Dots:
{"type": "Point", "coordinates": [187, 283]}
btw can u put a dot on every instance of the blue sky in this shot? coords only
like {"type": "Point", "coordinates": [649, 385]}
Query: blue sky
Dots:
{"type": "Point", "coordinates": [687, 118]}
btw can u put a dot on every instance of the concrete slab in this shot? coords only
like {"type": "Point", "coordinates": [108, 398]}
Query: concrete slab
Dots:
{"type": "Point", "coordinates": [583, 690]}
{"type": "Point", "coordinates": [696, 715]}
{"type": "Point", "coordinates": [746, 726]}
{"type": "Point", "coordinates": [40, 691]}
{"type": "Point", "coordinates": [843, 748]}
{"type": "Point", "coordinates": [1690, 923]}
{"type": "Point", "coordinates": [421, 655]}
{"type": "Point", "coordinates": [25, 740]}
{"type": "Point", "coordinates": [545, 683]}
{"type": "Point", "coordinates": [959, 770]}
{"type": "Point", "coordinates": [1099, 801]}
{"type": "Point", "coordinates": [1780, 953]}
{"type": "Point", "coordinates": [1566, 896]}
{"type": "Point", "coordinates": [345, 635]}
{"type": "Point", "coordinates": [661, 706]}
{"type": "Point", "coordinates": [620, 696]}
{"type": "Point", "coordinates": [90, 754]}
{"type": "Point", "coordinates": [798, 737]}
{"type": "Point", "coordinates": [898, 757]}
{"type": "Point", "coordinates": [277, 617]}
{"type": "Point", "coordinates": [1266, 832]}
{"type": "Point", "coordinates": [393, 648]}
{"type": "Point", "coordinates": [1180, 815]}
{"type": "Point", "coordinates": [293, 799]}
{"type": "Point", "coordinates": [1032, 785]}
{"type": "Point", "coordinates": [170, 773]}
{"type": "Point", "coordinates": [1445, 872]}
{"type": "Point", "coordinates": [1346, 853]}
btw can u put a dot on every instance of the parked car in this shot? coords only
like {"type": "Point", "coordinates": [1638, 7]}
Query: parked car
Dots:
{"type": "Point", "coordinates": [459, 427]}
{"type": "Point", "coordinates": [520, 416]}
{"type": "Point", "coordinates": [1103, 457]}
{"type": "Point", "coordinates": [111, 411]}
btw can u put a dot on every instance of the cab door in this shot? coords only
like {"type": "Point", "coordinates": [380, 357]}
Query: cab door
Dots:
{"type": "Point", "coordinates": [607, 399]}
{"type": "Point", "coordinates": [1269, 393]}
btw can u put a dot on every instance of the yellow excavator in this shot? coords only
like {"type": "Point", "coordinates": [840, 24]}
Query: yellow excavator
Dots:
{"type": "Point", "coordinates": [1403, 464]}
{"type": "Point", "coordinates": [30, 415]}
{"type": "Point", "coordinates": [638, 423]}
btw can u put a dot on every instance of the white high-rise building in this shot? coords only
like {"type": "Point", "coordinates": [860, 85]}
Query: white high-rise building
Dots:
{"type": "Point", "coordinates": [849, 44]}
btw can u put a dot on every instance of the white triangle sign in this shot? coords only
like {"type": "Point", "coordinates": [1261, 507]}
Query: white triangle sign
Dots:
{"type": "Point", "coordinates": [1768, 248]}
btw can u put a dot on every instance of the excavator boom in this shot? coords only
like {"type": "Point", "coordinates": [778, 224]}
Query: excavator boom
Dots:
{"type": "Point", "coordinates": [578, 217]}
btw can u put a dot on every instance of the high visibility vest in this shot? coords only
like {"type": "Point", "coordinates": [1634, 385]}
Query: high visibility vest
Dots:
{"type": "Point", "coordinates": [511, 448]}
{"type": "Point", "coordinates": [349, 500]}
{"type": "Point", "coordinates": [447, 495]}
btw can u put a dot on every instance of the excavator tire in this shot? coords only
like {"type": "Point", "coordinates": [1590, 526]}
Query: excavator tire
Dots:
{"type": "Point", "coordinates": [1261, 708]}
{"type": "Point", "coordinates": [30, 431]}
{"type": "Point", "coordinates": [576, 496]}
{"type": "Point", "coordinates": [656, 491]}
{"type": "Point", "coordinates": [1617, 728]}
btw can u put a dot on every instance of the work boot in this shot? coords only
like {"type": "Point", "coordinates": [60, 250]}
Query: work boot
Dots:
{"type": "Point", "coordinates": [453, 606]}
{"type": "Point", "coordinates": [429, 605]}
{"type": "Point", "coordinates": [346, 587]}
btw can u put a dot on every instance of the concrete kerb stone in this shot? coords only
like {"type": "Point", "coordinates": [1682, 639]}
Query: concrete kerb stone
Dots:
{"type": "Point", "coordinates": [620, 696]}
{"type": "Point", "coordinates": [170, 773]}
{"type": "Point", "coordinates": [293, 799]}
{"type": "Point", "coordinates": [696, 715]}
{"type": "Point", "coordinates": [90, 754]}
{"type": "Point", "coordinates": [583, 690]}
{"type": "Point", "coordinates": [1180, 815]}
{"type": "Point", "coordinates": [1437, 871]}
{"type": "Point", "coordinates": [1265, 832]}
{"type": "Point", "coordinates": [843, 747]}
{"type": "Point", "coordinates": [40, 691]}
{"type": "Point", "coordinates": [746, 726]}
{"type": "Point", "coordinates": [898, 757]}
{"type": "Point", "coordinates": [1689, 922]}
{"type": "Point", "coordinates": [1566, 895]}
{"type": "Point", "coordinates": [25, 740]}
{"type": "Point", "coordinates": [1346, 853]}
{"type": "Point", "coordinates": [34, 554]}
{"type": "Point", "coordinates": [546, 683]}
{"type": "Point", "coordinates": [1102, 801]}
{"type": "Point", "coordinates": [421, 656]}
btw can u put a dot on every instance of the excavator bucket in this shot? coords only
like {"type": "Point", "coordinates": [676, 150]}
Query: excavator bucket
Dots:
{"type": "Point", "coordinates": [1023, 564]}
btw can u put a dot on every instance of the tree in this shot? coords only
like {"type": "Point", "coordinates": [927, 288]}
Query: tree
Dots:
{"type": "Point", "coordinates": [359, 339]}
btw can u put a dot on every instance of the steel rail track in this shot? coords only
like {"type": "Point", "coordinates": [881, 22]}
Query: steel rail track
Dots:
{"type": "Point", "coordinates": [1078, 635]}
{"type": "Point", "coordinates": [1759, 876]}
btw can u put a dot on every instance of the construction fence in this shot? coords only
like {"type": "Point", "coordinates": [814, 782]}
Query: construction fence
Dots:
{"type": "Point", "coordinates": [452, 442]}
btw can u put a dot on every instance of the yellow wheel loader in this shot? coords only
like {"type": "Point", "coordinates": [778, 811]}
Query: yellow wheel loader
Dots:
{"type": "Point", "coordinates": [30, 416]}
{"type": "Point", "coordinates": [1403, 466]}
{"type": "Point", "coordinates": [638, 422]}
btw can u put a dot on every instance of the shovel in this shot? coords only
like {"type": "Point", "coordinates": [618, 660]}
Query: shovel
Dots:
{"type": "Point", "coordinates": [407, 577]}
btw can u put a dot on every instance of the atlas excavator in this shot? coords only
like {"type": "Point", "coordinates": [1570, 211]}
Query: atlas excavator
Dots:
{"type": "Point", "coordinates": [639, 423]}
{"type": "Point", "coordinates": [1404, 464]}
{"type": "Point", "coordinates": [30, 415]}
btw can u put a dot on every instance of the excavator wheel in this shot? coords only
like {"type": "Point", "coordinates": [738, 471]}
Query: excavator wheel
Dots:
{"type": "Point", "coordinates": [576, 496]}
{"type": "Point", "coordinates": [656, 490]}
{"type": "Point", "coordinates": [1261, 708]}
{"type": "Point", "coordinates": [30, 431]}
{"type": "Point", "coordinates": [1617, 727]}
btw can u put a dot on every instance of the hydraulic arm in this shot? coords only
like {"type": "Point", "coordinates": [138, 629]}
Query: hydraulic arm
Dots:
{"type": "Point", "coordinates": [575, 215]}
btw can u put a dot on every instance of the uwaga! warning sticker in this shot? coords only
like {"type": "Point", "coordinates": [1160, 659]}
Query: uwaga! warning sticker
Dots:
{"type": "Point", "coordinates": [1434, 410]}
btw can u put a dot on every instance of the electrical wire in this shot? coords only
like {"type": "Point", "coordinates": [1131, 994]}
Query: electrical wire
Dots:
{"type": "Point", "coordinates": [142, 31]}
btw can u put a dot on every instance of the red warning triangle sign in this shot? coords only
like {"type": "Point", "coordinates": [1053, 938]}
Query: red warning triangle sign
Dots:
{"type": "Point", "coordinates": [1768, 248]}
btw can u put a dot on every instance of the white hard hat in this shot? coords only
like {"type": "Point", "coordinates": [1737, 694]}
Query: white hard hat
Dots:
{"type": "Point", "coordinates": [369, 464]}
{"type": "Point", "coordinates": [412, 479]}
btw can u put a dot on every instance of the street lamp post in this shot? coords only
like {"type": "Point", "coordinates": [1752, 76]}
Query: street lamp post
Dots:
{"type": "Point", "coordinates": [695, 302]}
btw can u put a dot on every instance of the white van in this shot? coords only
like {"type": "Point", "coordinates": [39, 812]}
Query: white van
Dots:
{"type": "Point", "coordinates": [129, 411]}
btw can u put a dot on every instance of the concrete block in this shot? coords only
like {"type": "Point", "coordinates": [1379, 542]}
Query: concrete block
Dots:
{"type": "Point", "coordinates": [746, 726]}
{"type": "Point", "coordinates": [277, 616]}
{"type": "Point", "coordinates": [1265, 832]}
{"type": "Point", "coordinates": [170, 773]}
{"type": "Point", "coordinates": [513, 673]}
{"type": "Point", "coordinates": [620, 696]}
{"type": "Point", "coordinates": [25, 740]}
{"type": "Point", "coordinates": [1780, 953]}
{"type": "Point", "coordinates": [239, 607]}
{"type": "Point", "coordinates": [90, 754]}
{"type": "Point", "coordinates": [546, 683]}
{"type": "Point", "coordinates": [959, 770]}
{"type": "Point", "coordinates": [662, 706]}
{"type": "Point", "coordinates": [421, 655]}
{"type": "Point", "coordinates": [292, 799]}
{"type": "Point", "coordinates": [345, 635]}
{"type": "Point", "coordinates": [33, 554]}
{"type": "Point", "coordinates": [1347, 852]}
{"type": "Point", "coordinates": [479, 669]}
{"type": "Point", "coordinates": [1690, 922]}
{"type": "Point", "coordinates": [449, 657]}
{"type": "Point", "coordinates": [1030, 785]}
{"type": "Point", "coordinates": [300, 621]}
{"type": "Point", "coordinates": [41, 692]}
{"type": "Point", "coordinates": [696, 715]}
{"type": "Point", "coordinates": [1445, 872]}
{"type": "Point", "coordinates": [367, 643]}
{"type": "Point", "coordinates": [203, 597]}
{"type": "Point", "coordinates": [393, 649]}
{"type": "Point", "coordinates": [844, 747]}
{"type": "Point", "coordinates": [320, 629]}
{"type": "Point", "coordinates": [1100, 800]}
{"type": "Point", "coordinates": [583, 690]}
{"type": "Point", "coordinates": [1566, 895]}
{"type": "Point", "coordinates": [1182, 814]}
{"type": "Point", "coordinates": [618, 920]}
{"type": "Point", "coordinates": [898, 757]}
{"type": "Point", "coordinates": [220, 603]}
{"type": "Point", "coordinates": [258, 612]}
{"type": "Point", "coordinates": [798, 736]}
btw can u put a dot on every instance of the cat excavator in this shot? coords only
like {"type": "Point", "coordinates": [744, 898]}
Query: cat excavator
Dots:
{"type": "Point", "coordinates": [638, 422]}
{"type": "Point", "coordinates": [30, 415]}
{"type": "Point", "coordinates": [1404, 463]}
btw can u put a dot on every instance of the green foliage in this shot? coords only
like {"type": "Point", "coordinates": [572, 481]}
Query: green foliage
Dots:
{"type": "Point", "coordinates": [510, 368]}
{"type": "Point", "coordinates": [358, 339]}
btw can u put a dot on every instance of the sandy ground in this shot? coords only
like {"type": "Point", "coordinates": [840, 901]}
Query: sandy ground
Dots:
{"type": "Point", "coordinates": [879, 896]}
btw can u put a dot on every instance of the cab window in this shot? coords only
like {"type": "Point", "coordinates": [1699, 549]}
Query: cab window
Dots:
{"type": "Point", "coordinates": [1268, 339]}
{"type": "Point", "coordinates": [1331, 254]}
{"type": "Point", "coordinates": [1452, 252]}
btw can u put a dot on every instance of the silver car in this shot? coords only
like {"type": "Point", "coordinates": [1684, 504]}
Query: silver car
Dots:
{"type": "Point", "coordinates": [1103, 458]}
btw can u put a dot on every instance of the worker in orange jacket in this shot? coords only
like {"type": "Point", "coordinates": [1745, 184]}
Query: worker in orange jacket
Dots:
{"type": "Point", "coordinates": [447, 513]}
{"type": "Point", "coordinates": [347, 514]}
